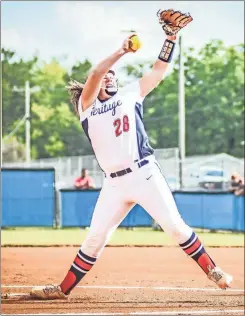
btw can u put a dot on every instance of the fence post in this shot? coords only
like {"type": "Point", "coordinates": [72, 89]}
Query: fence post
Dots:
{"type": "Point", "coordinates": [58, 209]}
{"type": "Point", "coordinates": [234, 213]}
{"type": "Point", "coordinates": [56, 213]}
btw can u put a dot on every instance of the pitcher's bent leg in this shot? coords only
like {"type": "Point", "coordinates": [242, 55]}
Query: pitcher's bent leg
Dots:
{"type": "Point", "coordinates": [160, 204]}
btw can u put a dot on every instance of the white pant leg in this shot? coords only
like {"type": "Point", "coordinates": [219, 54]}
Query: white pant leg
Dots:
{"type": "Point", "coordinates": [155, 196]}
{"type": "Point", "coordinates": [111, 208]}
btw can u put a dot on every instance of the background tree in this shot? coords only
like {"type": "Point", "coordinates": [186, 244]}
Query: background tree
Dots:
{"type": "Point", "coordinates": [12, 150]}
{"type": "Point", "coordinates": [214, 95]}
{"type": "Point", "coordinates": [56, 130]}
{"type": "Point", "coordinates": [215, 99]}
{"type": "Point", "coordinates": [14, 75]}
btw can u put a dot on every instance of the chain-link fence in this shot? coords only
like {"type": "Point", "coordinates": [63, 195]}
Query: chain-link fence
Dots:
{"type": "Point", "coordinates": [69, 168]}
{"type": "Point", "coordinates": [199, 169]}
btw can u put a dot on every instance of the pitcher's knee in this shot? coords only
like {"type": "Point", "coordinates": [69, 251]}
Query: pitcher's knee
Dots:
{"type": "Point", "coordinates": [94, 244]}
{"type": "Point", "coordinates": [179, 232]}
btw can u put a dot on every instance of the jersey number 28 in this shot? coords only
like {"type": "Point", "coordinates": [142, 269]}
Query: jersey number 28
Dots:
{"type": "Point", "coordinates": [121, 125]}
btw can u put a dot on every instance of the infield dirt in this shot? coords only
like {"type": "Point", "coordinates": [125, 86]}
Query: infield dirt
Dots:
{"type": "Point", "coordinates": [123, 267]}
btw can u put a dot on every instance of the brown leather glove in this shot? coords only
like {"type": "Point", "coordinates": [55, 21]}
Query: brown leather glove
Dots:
{"type": "Point", "coordinates": [173, 21]}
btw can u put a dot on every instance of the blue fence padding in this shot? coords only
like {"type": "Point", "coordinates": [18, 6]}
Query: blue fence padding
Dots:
{"type": "Point", "coordinates": [137, 217]}
{"type": "Point", "coordinates": [218, 211]}
{"type": "Point", "coordinates": [211, 211]}
{"type": "Point", "coordinates": [28, 197]}
{"type": "Point", "coordinates": [77, 209]}
{"type": "Point", "coordinates": [239, 213]}
{"type": "Point", "coordinates": [190, 208]}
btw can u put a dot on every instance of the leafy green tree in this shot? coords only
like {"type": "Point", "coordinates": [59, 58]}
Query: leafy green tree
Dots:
{"type": "Point", "coordinates": [214, 98]}
{"type": "Point", "coordinates": [12, 150]}
{"type": "Point", "coordinates": [56, 130]}
{"type": "Point", "coordinates": [14, 74]}
{"type": "Point", "coordinates": [80, 70]}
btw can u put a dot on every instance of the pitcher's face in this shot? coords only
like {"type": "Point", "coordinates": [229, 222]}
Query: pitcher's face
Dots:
{"type": "Point", "coordinates": [109, 84]}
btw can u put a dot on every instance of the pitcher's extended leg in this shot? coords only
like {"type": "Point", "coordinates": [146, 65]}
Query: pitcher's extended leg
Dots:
{"type": "Point", "coordinates": [80, 266]}
{"type": "Point", "coordinates": [161, 206]}
{"type": "Point", "coordinates": [109, 212]}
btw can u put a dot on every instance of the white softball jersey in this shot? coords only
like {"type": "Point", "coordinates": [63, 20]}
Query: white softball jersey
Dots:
{"type": "Point", "coordinates": [118, 137]}
{"type": "Point", "coordinates": [116, 130]}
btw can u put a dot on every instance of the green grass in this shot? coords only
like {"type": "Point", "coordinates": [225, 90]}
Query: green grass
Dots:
{"type": "Point", "coordinates": [137, 237]}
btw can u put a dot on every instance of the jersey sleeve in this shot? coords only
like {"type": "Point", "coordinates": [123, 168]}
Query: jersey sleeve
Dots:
{"type": "Point", "coordinates": [86, 113]}
{"type": "Point", "coordinates": [132, 89]}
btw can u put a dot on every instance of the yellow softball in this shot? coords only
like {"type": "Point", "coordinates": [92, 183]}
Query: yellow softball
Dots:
{"type": "Point", "coordinates": [135, 43]}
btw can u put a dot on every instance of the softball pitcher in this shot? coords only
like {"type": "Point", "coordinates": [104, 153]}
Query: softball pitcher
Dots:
{"type": "Point", "coordinates": [112, 119]}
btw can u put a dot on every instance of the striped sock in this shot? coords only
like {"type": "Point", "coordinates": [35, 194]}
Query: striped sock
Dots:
{"type": "Point", "coordinates": [80, 266]}
{"type": "Point", "coordinates": [194, 248]}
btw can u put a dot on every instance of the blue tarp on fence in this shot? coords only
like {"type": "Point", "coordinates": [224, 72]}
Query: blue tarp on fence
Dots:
{"type": "Point", "coordinates": [205, 210]}
{"type": "Point", "coordinates": [28, 197]}
{"type": "Point", "coordinates": [77, 208]}
{"type": "Point", "coordinates": [211, 210]}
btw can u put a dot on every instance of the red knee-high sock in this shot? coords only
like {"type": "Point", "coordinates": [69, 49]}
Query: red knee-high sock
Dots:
{"type": "Point", "coordinates": [80, 266]}
{"type": "Point", "coordinates": [194, 248]}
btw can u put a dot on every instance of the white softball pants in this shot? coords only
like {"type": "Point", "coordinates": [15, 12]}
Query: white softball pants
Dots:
{"type": "Point", "coordinates": [145, 186]}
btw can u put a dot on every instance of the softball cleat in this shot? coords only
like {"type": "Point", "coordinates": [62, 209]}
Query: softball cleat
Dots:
{"type": "Point", "coordinates": [48, 292]}
{"type": "Point", "coordinates": [222, 279]}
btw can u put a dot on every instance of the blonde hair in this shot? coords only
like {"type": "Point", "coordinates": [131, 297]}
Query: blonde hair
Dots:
{"type": "Point", "coordinates": [75, 89]}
